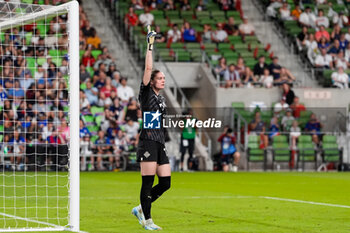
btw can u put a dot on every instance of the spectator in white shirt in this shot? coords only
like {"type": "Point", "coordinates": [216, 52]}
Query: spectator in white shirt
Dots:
{"type": "Point", "coordinates": [220, 35]}
{"type": "Point", "coordinates": [340, 60]}
{"type": "Point", "coordinates": [340, 19]}
{"type": "Point", "coordinates": [324, 60]}
{"type": "Point", "coordinates": [146, 18]}
{"type": "Point", "coordinates": [174, 34]}
{"type": "Point", "coordinates": [307, 18]}
{"type": "Point", "coordinates": [340, 79]}
{"type": "Point", "coordinates": [246, 28]}
{"type": "Point", "coordinates": [266, 79]}
{"type": "Point", "coordinates": [125, 92]}
{"type": "Point", "coordinates": [322, 20]}
{"type": "Point", "coordinates": [285, 12]}
{"type": "Point", "coordinates": [271, 9]}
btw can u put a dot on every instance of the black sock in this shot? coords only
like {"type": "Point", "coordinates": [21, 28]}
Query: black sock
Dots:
{"type": "Point", "coordinates": [146, 196]}
{"type": "Point", "coordinates": [161, 187]}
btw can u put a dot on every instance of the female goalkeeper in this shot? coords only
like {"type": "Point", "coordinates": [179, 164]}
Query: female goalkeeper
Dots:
{"type": "Point", "coordinates": [151, 152]}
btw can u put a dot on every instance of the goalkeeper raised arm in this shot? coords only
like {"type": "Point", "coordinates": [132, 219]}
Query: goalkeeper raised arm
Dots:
{"type": "Point", "coordinates": [151, 152]}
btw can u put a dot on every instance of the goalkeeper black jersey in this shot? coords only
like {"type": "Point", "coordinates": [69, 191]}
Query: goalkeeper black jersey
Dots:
{"type": "Point", "coordinates": [152, 103]}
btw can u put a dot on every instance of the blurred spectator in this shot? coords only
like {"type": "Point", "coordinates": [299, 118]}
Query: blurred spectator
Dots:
{"type": "Point", "coordinates": [131, 19]}
{"type": "Point", "coordinates": [131, 128]}
{"type": "Point", "coordinates": [285, 13]}
{"type": "Point", "coordinates": [335, 35]}
{"type": "Point", "coordinates": [108, 88]}
{"type": "Point", "coordinates": [313, 127]}
{"type": "Point", "coordinates": [226, 5]}
{"type": "Point", "coordinates": [297, 107]}
{"type": "Point", "coordinates": [307, 18]}
{"type": "Point", "coordinates": [160, 35]}
{"type": "Point", "coordinates": [105, 59]}
{"type": "Point", "coordinates": [103, 148]}
{"type": "Point", "coordinates": [174, 34]}
{"type": "Point", "coordinates": [343, 42]}
{"type": "Point", "coordinates": [94, 40]}
{"type": "Point", "coordinates": [124, 91]}
{"type": "Point", "coordinates": [240, 67]}
{"type": "Point", "coordinates": [131, 110]}
{"type": "Point", "coordinates": [106, 120]}
{"type": "Point", "coordinates": [185, 5]}
{"type": "Point", "coordinates": [323, 44]}
{"type": "Point", "coordinates": [84, 74]}
{"type": "Point", "coordinates": [146, 18]}
{"type": "Point", "coordinates": [341, 20]}
{"type": "Point", "coordinates": [335, 49]}
{"type": "Point", "coordinates": [295, 132]}
{"type": "Point", "coordinates": [137, 4]}
{"type": "Point", "coordinates": [82, 40]}
{"type": "Point", "coordinates": [221, 67]}
{"type": "Point", "coordinates": [296, 12]}
{"type": "Point", "coordinates": [220, 34]}
{"type": "Point", "coordinates": [266, 79]}
{"type": "Point", "coordinates": [84, 102]}
{"type": "Point", "coordinates": [88, 60]}
{"type": "Point", "coordinates": [116, 79]}
{"type": "Point", "coordinates": [85, 150]}
{"type": "Point", "coordinates": [120, 144]}
{"type": "Point", "coordinates": [116, 109]}
{"type": "Point", "coordinates": [246, 28]}
{"type": "Point", "coordinates": [201, 6]}
{"type": "Point", "coordinates": [16, 92]}
{"type": "Point", "coordinates": [340, 79]}
{"type": "Point", "coordinates": [260, 66]}
{"type": "Point", "coordinates": [87, 29]}
{"type": "Point", "coordinates": [324, 60]}
{"type": "Point", "coordinates": [279, 107]}
{"type": "Point", "coordinates": [322, 33]}
{"type": "Point", "coordinates": [257, 127]}
{"type": "Point", "coordinates": [287, 120]}
{"type": "Point", "coordinates": [207, 33]}
{"type": "Point", "coordinates": [321, 20]}
{"type": "Point", "coordinates": [274, 129]}
{"type": "Point", "coordinates": [83, 131]}
{"type": "Point", "coordinates": [189, 34]}
{"type": "Point", "coordinates": [27, 80]}
{"type": "Point", "coordinates": [39, 73]}
{"type": "Point", "coordinates": [271, 9]}
{"type": "Point", "coordinates": [275, 68]}
{"type": "Point", "coordinates": [232, 78]}
{"type": "Point", "coordinates": [230, 27]}
{"type": "Point", "coordinates": [228, 150]}
{"type": "Point", "coordinates": [103, 101]}
{"type": "Point", "coordinates": [340, 60]}
{"type": "Point", "coordinates": [17, 144]}
{"type": "Point", "coordinates": [249, 78]}
{"type": "Point", "coordinates": [169, 5]}
{"type": "Point", "coordinates": [288, 94]}
{"type": "Point", "coordinates": [286, 76]}
{"type": "Point", "coordinates": [91, 93]}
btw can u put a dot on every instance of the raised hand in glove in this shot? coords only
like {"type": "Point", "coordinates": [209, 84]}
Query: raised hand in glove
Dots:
{"type": "Point", "coordinates": [151, 35]}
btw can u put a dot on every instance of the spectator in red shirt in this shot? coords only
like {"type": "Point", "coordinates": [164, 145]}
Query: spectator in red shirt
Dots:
{"type": "Point", "coordinates": [322, 33]}
{"type": "Point", "coordinates": [88, 60]}
{"type": "Point", "coordinates": [108, 88]}
{"type": "Point", "coordinates": [131, 19]}
{"type": "Point", "coordinates": [297, 107]}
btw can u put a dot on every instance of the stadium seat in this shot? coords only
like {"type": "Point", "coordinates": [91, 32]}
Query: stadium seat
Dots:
{"type": "Point", "coordinates": [306, 151]}
{"type": "Point", "coordinates": [96, 110]}
{"type": "Point", "coordinates": [254, 153]}
{"type": "Point", "coordinates": [95, 53]}
{"type": "Point", "coordinates": [89, 119]}
{"type": "Point", "coordinates": [330, 150]}
{"type": "Point", "coordinates": [281, 152]}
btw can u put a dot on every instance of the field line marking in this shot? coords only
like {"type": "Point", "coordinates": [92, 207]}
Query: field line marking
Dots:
{"type": "Point", "coordinates": [306, 202]}
{"type": "Point", "coordinates": [30, 220]}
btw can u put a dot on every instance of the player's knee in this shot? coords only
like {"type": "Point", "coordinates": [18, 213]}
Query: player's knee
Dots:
{"type": "Point", "coordinates": [165, 182]}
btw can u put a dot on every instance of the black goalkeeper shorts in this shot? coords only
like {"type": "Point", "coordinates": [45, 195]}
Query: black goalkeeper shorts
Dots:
{"type": "Point", "coordinates": [152, 151]}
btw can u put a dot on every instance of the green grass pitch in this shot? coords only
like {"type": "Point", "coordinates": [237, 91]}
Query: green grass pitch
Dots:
{"type": "Point", "coordinates": [210, 202]}
{"type": "Point", "coordinates": [220, 202]}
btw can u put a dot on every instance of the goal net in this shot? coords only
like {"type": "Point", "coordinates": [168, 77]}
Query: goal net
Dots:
{"type": "Point", "coordinates": [39, 117]}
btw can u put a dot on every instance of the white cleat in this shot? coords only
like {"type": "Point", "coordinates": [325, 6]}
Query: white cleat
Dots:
{"type": "Point", "coordinates": [137, 211]}
{"type": "Point", "coordinates": [151, 226]}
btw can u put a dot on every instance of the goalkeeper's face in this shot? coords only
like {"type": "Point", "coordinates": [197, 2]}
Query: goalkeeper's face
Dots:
{"type": "Point", "coordinates": [158, 81]}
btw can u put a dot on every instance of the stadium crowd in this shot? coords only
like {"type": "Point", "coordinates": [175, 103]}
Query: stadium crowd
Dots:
{"type": "Point", "coordinates": [236, 73]}
{"type": "Point", "coordinates": [325, 34]}
{"type": "Point", "coordinates": [34, 98]}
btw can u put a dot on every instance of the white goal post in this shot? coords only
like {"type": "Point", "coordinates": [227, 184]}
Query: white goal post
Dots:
{"type": "Point", "coordinates": [27, 196]}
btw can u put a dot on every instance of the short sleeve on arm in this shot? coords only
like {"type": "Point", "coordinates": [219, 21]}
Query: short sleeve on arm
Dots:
{"type": "Point", "coordinates": [144, 92]}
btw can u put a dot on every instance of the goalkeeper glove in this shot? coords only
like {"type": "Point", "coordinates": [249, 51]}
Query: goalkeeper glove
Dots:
{"type": "Point", "coordinates": [150, 38]}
